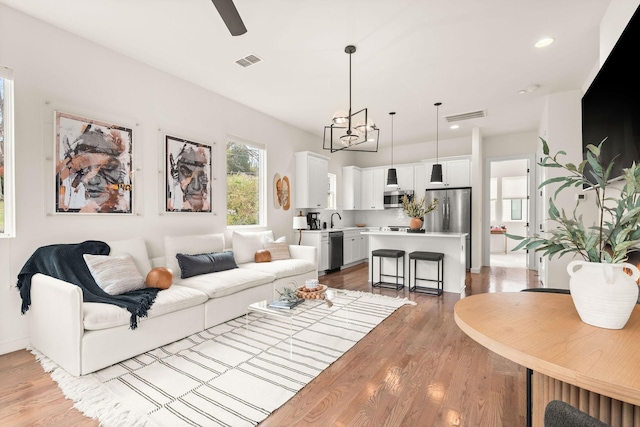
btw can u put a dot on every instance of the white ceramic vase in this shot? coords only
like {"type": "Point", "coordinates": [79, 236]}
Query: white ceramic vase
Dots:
{"type": "Point", "coordinates": [604, 295]}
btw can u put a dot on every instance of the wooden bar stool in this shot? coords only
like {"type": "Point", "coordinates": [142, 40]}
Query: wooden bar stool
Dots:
{"type": "Point", "coordinates": [431, 257]}
{"type": "Point", "coordinates": [388, 253]}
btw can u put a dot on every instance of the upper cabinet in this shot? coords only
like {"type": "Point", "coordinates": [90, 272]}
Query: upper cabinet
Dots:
{"type": "Point", "coordinates": [312, 172]}
{"type": "Point", "coordinates": [455, 173]}
{"type": "Point", "coordinates": [372, 190]}
{"type": "Point", "coordinates": [405, 177]}
{"type": "Point", "coordinates": [351, 187]}
{"type": "Point", "coordinates": [420, 178]}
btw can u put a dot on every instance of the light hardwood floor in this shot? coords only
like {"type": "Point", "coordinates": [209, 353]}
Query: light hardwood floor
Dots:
{"type": "Point", "coordinates": [415, 369]}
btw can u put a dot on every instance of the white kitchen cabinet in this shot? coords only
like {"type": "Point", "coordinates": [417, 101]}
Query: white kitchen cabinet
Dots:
{"type": "Point", "coordinates": [321, 241]}
{"type": "Point", "coordinates": [351, 185]}
{"type": "Point", "coordinates": [353, 250]}
{"type": "Point", "coordinates": [312, 172]}
{"type": "Point", "coordinates": [420, 179]}
{"type": "Point", "coordinates": [372, 190]}
{"type": "Point", "coordinates": [323, 264]}
{"type": "Point", "coordinates": [347, 250]}
{"type": "Point", "coordinates": [405, 177]}
{"type": "Point", "coordinates": [455, 173]}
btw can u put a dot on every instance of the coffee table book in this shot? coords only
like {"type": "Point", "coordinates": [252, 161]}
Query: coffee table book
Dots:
{"type": "Point", "coordinates": [285, 304]}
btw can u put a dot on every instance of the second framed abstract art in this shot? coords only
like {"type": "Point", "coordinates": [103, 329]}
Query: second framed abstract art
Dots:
{"type": "Point", "coordinates": [188, 175]}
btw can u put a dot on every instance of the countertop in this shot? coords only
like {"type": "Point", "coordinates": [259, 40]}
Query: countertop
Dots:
{"type": "Point", "coordinates": [412, 235]}
{"type": "Point", "coordinates": [328, 230]}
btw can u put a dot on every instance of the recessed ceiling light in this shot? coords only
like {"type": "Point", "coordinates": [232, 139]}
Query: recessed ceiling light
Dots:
{"type": "Point", "coordinates": [544, 42]}
{"type": "Point", "coordinates": [454, 127]}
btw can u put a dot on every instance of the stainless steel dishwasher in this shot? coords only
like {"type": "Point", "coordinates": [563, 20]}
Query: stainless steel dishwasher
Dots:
{"type": "Point", "coordinates": [336, 258]}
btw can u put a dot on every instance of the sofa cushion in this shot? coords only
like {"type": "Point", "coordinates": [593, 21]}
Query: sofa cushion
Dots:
{"type": "Point", "coordinates": [103, 316]}
{"type": "Point", "coordinates": [278, 250]}
{"type": "Point", "coordinates": [194, 265]}
{"type": "Point", "coordinates": [282, 268]}
{"type": "Point", "coordinates": [223, 283]}
{"type": "Point", "coordinates": [138, 251]}
{"type": "Point", "coordinates": [247, 243]}
{"type": "Point", "coordinates": [190, 245]}
{"type": "Point", "coordinates": [114, 274]}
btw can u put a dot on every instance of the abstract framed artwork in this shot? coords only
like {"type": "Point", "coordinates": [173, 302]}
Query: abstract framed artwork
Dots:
{"type": "Point", "coordinates": [188, 175]}
{"type": "Point", "coordinates": [93, 166]}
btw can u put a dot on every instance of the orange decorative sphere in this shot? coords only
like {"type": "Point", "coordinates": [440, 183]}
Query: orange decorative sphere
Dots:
{"type": "Point", "coordinates": [263, 255]}
{"type": "Point", "coordinates": [159, 277]}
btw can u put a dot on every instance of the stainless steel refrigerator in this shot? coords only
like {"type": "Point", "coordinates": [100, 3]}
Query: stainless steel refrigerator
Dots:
{"type": "Point", "coordinates": [453, 214]}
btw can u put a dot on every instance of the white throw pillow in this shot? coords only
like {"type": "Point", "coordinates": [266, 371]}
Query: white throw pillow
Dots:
{"type": "Point", "coordinates": [138, 251]}
{"type": "Point", "coordinates": [190, 245]}
{"type": "Point", "coordinates": [278, 250]}
{"type": "Point", "coordinates": [115, 274]}
{"type": "Point", "coordinates": [247, 243]}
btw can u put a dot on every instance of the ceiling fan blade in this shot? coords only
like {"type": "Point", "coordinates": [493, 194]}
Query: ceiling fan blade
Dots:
{"type": "Point", "coordinates": [230, 16]}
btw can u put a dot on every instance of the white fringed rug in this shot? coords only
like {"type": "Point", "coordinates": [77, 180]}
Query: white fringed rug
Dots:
{"type": "Point", "coordinates": [227, 375]}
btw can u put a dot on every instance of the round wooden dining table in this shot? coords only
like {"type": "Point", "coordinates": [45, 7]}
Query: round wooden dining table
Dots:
{"type": "Point", "coordinates": [596, 370]}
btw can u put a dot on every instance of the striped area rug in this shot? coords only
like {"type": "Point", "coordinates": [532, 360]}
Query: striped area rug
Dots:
{"type": "Point", "coordinates": [228, 375]}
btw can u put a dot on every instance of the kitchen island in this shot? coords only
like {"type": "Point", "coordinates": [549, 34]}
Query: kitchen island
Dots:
{"type": "Point", "coordinates": [452, 245]}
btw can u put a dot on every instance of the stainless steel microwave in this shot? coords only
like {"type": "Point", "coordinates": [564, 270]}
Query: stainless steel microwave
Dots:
{"type": "Point", "coordinates": [393, 199]}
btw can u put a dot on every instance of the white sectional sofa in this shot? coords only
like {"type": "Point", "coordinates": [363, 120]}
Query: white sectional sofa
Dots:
{"type": "Point", "coordinates": [83, 337]}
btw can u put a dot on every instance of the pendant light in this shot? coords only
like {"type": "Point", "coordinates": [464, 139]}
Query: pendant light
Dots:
{"type": "Point", "coordinates": [392, 175]}
{"type": "Point", "coordinates": [348, 130]}
{"type": "Point", "coordinates": [436, 171]}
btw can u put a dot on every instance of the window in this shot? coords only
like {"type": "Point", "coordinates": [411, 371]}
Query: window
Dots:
{"type": "Point", "coordinates": [514, 198]}
{"type": "Point", "coordinates": [246, 184]}
{"type": "Point", "coordinates": [331, 191]}
{"type": "Point", "coordinates": [7, 206]}
{"type": "Point", "coordinates": [514, 209]}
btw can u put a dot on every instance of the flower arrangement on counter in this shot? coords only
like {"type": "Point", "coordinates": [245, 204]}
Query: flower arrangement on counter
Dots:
{"type": "Point", "coordinates": [415, 208]}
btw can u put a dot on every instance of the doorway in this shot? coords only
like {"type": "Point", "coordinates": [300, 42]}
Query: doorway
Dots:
{"type": "Point", "coordinates": [510, 209]}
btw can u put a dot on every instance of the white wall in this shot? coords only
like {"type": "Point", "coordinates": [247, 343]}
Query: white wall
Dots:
{"type": "Point", "coordinates": [57, 70]}
{"type": "Point", "coordinates": [411, 153]}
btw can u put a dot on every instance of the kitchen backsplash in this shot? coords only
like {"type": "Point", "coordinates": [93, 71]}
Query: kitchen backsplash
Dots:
{"type": "Point", "coordinates": [378, 218]}
{"type": "Point", "coordinates": [382, 218]}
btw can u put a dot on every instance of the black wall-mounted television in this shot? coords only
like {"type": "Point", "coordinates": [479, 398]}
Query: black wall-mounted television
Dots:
{"type": "Point", "coordinates": [611, 105]}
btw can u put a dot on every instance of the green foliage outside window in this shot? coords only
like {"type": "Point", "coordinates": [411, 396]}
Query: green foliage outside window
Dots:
{"type": "Point", "coordinates": [243, 184]}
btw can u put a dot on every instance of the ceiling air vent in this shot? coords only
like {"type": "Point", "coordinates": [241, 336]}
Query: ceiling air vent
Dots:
{"type": "Point", "coordinates": [466, 116]}
{"type": "Point", "coordinates": [248, 60]}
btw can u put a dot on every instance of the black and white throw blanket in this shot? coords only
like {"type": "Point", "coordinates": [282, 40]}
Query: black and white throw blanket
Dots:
{"type": "Point", "coordinates": [65, 262]}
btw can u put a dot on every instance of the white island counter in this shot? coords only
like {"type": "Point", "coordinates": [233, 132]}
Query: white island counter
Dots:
{"type": "Point", "coordinates": [452, 245]}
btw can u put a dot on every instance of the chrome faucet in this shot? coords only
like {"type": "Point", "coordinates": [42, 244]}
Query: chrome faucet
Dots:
{"type": "Point", "coordinates": [335, 213]}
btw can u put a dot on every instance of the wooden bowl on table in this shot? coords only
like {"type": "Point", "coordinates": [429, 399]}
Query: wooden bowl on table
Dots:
{"type": "Point", "coordinates": [306, 293]}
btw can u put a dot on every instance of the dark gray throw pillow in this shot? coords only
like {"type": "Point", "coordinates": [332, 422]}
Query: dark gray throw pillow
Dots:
{"type": "Point", "coordinates": [194, 265]}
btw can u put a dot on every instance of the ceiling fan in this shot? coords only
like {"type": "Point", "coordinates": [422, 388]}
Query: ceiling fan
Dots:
{"type": "Point", "coordinates": [230, 16]}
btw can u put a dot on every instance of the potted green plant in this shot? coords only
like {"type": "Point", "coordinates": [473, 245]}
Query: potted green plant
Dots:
{"type": "Point", "coordinates": [416, 210]}
{"type": "Point", "coordinates": [601, 281]}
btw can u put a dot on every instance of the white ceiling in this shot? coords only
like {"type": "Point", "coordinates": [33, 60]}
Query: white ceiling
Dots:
{"type": "Point", "coordinates": [468, 54]}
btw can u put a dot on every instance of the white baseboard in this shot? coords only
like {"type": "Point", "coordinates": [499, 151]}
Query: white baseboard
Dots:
{"type": "Point", "coordinates": [474, 270]}
{"type": "Point", "coordinates": [15, 345]}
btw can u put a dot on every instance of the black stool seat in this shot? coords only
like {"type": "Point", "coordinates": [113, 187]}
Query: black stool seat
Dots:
{"type": "Point", "coordinates": [388, 253]}
{"type": "Point", "coordinates": [436, 257]}
{"type": "Point", "coordinates": [426, 256]}
{"type": "Point", "coordinates": [396, 254]}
